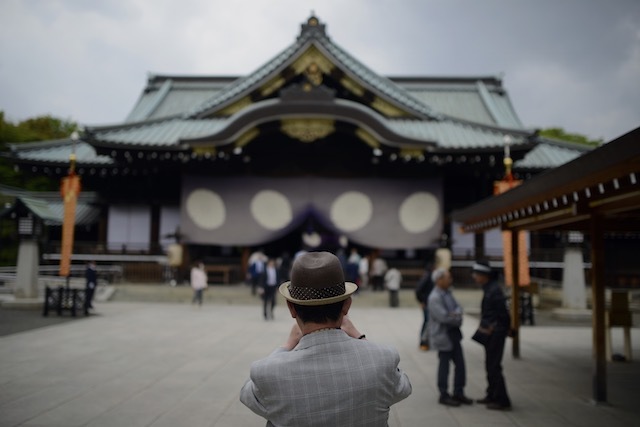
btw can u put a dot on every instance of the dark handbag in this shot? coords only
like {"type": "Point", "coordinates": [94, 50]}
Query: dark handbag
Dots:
{"type": "Point", "coordinates": [481, 337]}
{"type": "Point", "coordinates": [455, 334]}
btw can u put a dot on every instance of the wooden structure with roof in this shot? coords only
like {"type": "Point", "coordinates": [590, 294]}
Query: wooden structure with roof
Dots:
{"type": "Point", "coordinates": [597, 194]}
{"type": "Point", "coordinates": [312, 114]}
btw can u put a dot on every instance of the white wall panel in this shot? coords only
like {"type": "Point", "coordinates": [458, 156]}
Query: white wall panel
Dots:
{"type": "Point", "coordinates": [129, 225]}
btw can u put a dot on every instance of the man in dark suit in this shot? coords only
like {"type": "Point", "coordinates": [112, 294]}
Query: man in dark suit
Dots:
{"type": "Point", "coordinates": [327, 373]}
{"type": "Point", "coordinates": [91, 275]}
{"type": "Point", "coordinates": [494, 322]}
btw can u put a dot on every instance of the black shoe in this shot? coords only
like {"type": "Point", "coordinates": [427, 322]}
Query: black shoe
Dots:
{"type": "Point", "coordinates": [448, 401]}
{"type": "Point", "coordinates": [484, 401]}
{"type": "Point", "coordinates": [462, 399]}
{"type": "Point", "coordinates": [498, 406]}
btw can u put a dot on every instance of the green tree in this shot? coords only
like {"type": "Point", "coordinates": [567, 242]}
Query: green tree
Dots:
{"type": "Point", "coordinates": [560, 134]}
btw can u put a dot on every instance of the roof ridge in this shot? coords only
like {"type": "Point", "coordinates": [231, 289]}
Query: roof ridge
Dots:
{"type": "Point", "coordinates": [156, 101]}
{"type": "Point", "coordinates": [40, 144]}
{"type": "Point", "coordinates": [242, 83]}
{"type": "Point", "coordinates": [566, 144]}
{"type": "Point", "coordinates": [377, 80]}
{"type": "Point", "coordinates": [494, 128]}
{"type": "Point", "coordinates": [130, 125]}
{"type": "Point", "coordinates": [487, 101]}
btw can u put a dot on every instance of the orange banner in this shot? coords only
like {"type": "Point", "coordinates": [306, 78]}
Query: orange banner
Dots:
{"type": "Point", "coordinates": [69, 189]}
{"type": "Point", "coordinates": [524, 278]}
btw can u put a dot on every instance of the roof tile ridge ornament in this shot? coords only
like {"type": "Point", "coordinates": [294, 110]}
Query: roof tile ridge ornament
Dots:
{"type": "Point", "coordinates": [313, 28]}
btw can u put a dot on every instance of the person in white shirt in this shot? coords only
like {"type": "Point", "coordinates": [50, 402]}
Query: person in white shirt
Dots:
{"type": "Point", "coordinates": [198, 282]}
{"type": "Point", "coordinates": [271, 282]}
{"type": "Point", "coordinates": [378, 270]}
{"type": "Point", "coordinates": [363, 272]}
{"type": "Point", "coordinates": [392, 281]}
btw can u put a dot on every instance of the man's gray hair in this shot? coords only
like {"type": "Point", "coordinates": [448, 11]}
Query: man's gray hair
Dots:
{"type": "Point", "coordinates": [437, 274]}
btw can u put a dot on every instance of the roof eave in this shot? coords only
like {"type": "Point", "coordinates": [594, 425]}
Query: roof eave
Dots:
{"type": "Point", "coordinates": [619, 158]}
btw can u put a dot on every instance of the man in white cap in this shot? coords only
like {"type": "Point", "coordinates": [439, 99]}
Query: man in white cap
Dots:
{"type": "Point", "coordinates": [326, 373]}
{"type": "Point", "coordinates": [445, 319]}
{"type": "Point", "coordinates": [494, 322]}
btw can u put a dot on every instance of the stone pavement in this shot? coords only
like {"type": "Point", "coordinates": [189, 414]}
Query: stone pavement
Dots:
{"type": "Point", "coordinates": [173, 364]}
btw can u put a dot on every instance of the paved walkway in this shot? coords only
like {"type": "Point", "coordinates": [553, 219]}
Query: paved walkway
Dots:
{"type": "Point", "coordinates": [172, 364]}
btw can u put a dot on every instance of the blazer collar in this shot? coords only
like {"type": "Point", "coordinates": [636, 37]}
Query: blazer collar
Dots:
{"type": "Point", "coordinates": [322, 337]}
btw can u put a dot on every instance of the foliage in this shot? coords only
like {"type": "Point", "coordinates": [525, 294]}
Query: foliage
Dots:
{"type": "Point", "coordinates": [560, 134]}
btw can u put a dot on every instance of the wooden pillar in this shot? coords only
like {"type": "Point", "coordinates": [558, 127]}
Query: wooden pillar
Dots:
{"type": "Point", "coordinates": [515, 293]}
{"type": "Point", "coordinates": [478, 243]}
{"type": "Point", "coordinates": [155, 247]}
{"type": "Point", "coordinates": [598, 316]}
{"type": "Point", "coordinates": [244, 262]}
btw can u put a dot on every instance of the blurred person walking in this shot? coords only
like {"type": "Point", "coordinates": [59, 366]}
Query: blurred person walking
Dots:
{"type": "Point", "coordinates": [271, 282]}
{"type": "Point", "coordinates": [423, 289]}
{"type": "Point", "coordinates": [198, 282]}
{"type": "Point", "coordinates": [91, 276]}
{"type": "Point", "coordinates": [392, 281]}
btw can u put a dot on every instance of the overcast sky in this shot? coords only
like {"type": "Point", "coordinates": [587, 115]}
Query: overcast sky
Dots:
{"type": "Point", "coordinates": [573, 64]}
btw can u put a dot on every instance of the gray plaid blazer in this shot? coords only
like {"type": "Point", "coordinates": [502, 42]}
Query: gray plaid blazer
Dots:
{"type": "Point", "coordinates": [329, 379]}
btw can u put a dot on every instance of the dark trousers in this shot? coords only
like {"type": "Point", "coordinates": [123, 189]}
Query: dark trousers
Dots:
{"type": "Point", "coordinates": [377, 282]}
{"type": "Point", "coordinates": [460, 373]}
{"type": "Point", "coordinates": [197, 296]}
{"type": "Point", "coordinates": [394, 300]}
{"type": "Point", "coordinates": [89, 290]}
{"type": "Point", "coordinates": [257, 280]}
{"type": "Point", "coordinates": [424, 332]}
{"type": "Point", "coordinates": [269, 301]}
{"type": "Point", "coordinates": [497, 389]}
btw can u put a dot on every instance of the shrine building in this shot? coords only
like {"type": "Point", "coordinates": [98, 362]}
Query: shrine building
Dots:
{"type": "Point", "coordinates": [313, 150]}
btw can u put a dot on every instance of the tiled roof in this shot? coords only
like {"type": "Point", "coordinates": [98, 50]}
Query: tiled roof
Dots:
{"type": "Point", "coordinates": [244, 84]}
{"type": "Point", "coordinates": [482, 100]}
{"type": "Point", "coordinates": [170, 134]}
{"type": "Point", "coordinates": [164, 133]}
{"type": "Point", "coordinates": [49, 206]}
{"type": "Point", "coordinates": [450, 135]}
{"type": "Point", "coordinates": [166, 96]}
{"type": "Point", "coordinates": [447, 134]}
{"type": "Point", "coordinates": [58, 151]}
{"type": "Point", "coordinates": [455, 113]}
{"type": "Point", "coordinates": [549, 153]}
{"type": "Point", "coordinates": [477, 99]}
{"type": "Point", "coordinates": [315, 35]}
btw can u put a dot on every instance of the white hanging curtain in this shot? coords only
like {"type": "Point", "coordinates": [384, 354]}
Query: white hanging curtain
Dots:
{"type": "Point", "coordinates": [382, 213]}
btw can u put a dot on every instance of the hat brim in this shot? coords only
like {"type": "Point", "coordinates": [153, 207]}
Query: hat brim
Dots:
{"type": "Point", "coordinates": [349, 287]}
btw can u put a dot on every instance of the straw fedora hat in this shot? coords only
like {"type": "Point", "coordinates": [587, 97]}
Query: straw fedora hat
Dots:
{"type": "Point", "coordinates": [317, 279]}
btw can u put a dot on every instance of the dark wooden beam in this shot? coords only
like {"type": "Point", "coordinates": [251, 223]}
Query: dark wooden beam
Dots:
{"type": "Point", "coordinates": [515, 293]}
{"type": "Point", "coordinates": [598, 310]}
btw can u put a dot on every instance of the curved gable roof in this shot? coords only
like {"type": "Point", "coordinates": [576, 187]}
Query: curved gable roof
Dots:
{"type": "Point", "coordinates": [473, 113]}
{"type": "Point", "coordinates": [57, 152]}
{"type": "Point", "coordinates": [313, 35]}
{"type": "Point", "coordinates": [49, 205]}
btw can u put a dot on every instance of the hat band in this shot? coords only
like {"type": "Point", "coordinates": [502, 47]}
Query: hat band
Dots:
{"type": "Point", "coordinates": [480, 267]}
{"type": "Point", "coordinates": [305, 293]}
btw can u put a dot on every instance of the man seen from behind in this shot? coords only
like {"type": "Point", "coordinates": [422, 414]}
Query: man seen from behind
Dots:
{"type": "Point", "coordinates": [326, 373]}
